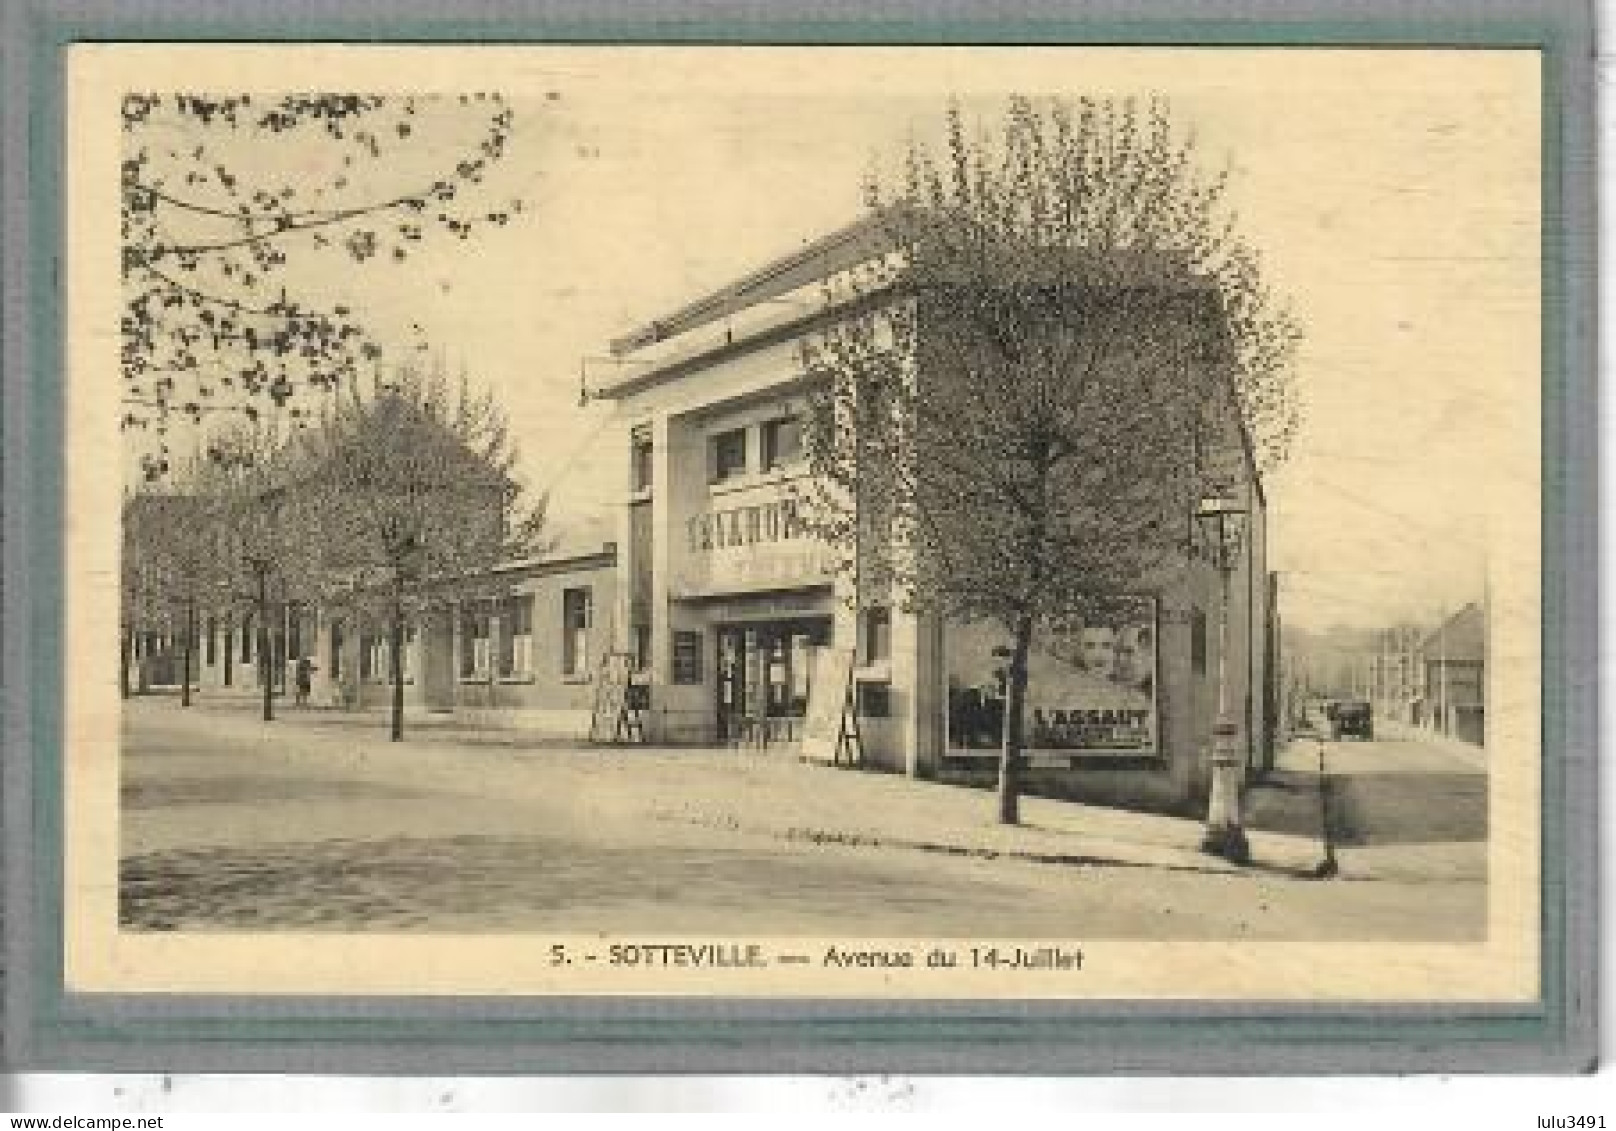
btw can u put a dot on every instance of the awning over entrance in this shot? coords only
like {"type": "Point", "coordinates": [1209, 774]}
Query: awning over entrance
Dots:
{"type": "Point", "coordinates": [770, 603]}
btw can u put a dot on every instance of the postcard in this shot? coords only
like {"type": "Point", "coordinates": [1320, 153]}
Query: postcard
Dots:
{"type": "Point", "coordinates": [984, 523]}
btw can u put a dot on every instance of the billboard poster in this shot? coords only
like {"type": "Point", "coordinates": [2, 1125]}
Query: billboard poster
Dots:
{"type": "Point", "coordinates": [1091, 684]}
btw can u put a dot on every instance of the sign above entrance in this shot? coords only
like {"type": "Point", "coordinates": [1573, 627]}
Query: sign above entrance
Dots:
{"type": "Point", "coordinates": [771, 605]}
{"type": "Point", "coordinates": [759, 543]}
{"type": "Point", "coordinates": [775, 520]}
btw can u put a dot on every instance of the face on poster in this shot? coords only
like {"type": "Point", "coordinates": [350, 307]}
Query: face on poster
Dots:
{"type": "Point", "coordinates": [1091, 685]}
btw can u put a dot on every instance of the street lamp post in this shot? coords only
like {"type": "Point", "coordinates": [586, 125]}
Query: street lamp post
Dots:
{"type": "Point", "coordinates": [1222, 523]}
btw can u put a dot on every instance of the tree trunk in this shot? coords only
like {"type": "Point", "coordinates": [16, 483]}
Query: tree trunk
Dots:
{"type": "Point", "coordinates": [125, 658]}
{"type": "Point", "coordinates": [186, 653]}
{"type": "Point", "coordinates": [1015, 710]}
{"type": "Point", "coordinates": [396, 662]}
{"type": "Point", "coordinates": [229, 647]}
{"type": "Point", "coordinates": [266, 661]}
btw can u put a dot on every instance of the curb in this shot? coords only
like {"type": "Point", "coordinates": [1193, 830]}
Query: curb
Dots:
{"type": "Point", "coordinates": [1210, 866]}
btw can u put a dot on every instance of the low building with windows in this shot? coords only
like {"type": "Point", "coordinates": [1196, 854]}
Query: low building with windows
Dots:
{"type": "Point", "coordinates": [525, 657]}
{"type": "Point", "coordinates": [725, 601]}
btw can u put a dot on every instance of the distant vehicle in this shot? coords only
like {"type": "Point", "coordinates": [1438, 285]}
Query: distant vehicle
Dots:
{"type": "Point", "coordinates": [1352, 717]}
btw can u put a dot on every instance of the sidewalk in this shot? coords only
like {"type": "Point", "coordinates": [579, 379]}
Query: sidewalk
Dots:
{"type": "Point", "coordinates": [763, 793]}
{"type": "Point", "coordinates": [428, 725]}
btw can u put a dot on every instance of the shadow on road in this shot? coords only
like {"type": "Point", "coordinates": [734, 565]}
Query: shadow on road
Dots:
{"type": "Point", "coordinates": [1285, 801]}
{"type": "Point", "coordinates": [1407, 808]}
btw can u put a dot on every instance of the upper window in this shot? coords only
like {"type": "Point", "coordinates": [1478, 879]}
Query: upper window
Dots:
{"type": "Point", "coordinates": [729, 455]}
{"type": "Point", "coordinates": [640, 461]}
{"type": "Point", "coordinates": [782, 442]}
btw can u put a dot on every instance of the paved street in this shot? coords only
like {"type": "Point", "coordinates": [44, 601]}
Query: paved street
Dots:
{"type": "Point", "coordinates": [229, 823]}
{"type": "Point", "coordinates": [1408, 806]}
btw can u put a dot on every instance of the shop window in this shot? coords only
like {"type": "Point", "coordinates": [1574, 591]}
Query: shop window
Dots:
{"type": "Point", "coordinates": [640, 472]}
{"type": "Point", "coordinates": [516, 637]}
{"type": "Point", "coordinates": [576, 613]}
{"type": "Point", "coordinates": [728, 455]}
{"type": "Point", "coordinates": [1198, 641]}
{"type": "Point", "coordinates": [782, 443]}
{"type": "Point", "coordinates": [474, 643]}
{"type": "Point", "coordinates": [877, 635]}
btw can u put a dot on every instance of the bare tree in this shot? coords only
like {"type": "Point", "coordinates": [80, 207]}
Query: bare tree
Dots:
{"type": "Point", "coordinates": [232, 203]}
{"type": "Point", "coordinates": [411, 486]}
{"type": "Point", "coordinates": [1062, 341]}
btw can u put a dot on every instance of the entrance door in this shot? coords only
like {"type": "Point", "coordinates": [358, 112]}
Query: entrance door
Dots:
{"type": "Point", "coordinates": [764, 673]}
{"type": "Point", "coordinates": [731, 683]}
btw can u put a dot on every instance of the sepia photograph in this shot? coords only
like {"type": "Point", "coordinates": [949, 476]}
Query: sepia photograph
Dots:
{"type": "Point", "coordinates": [953, 522]}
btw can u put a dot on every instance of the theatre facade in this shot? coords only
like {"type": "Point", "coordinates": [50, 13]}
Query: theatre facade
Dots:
{"type": "Point", "coordinates": [725, 601]}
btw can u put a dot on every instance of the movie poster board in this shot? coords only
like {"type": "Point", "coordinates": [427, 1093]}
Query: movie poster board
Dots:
{"type": "Point", "coordinates": [1092, 685]}
{"type": "Point", "coordinates": [827, 705]}
{"type": "Point", "coordinates": [611, 696]}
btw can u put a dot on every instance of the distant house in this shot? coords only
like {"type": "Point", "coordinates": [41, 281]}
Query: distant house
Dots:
{"type": "Point", "coordinates": [1454, 659]}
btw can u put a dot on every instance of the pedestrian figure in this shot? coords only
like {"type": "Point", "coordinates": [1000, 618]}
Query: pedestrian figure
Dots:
{"type": "Point", "coordinates": [304, 679]}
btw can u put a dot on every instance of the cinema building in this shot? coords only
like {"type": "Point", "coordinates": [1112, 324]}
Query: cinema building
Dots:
{"type": "Point", "coordinates": [724, 600]}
